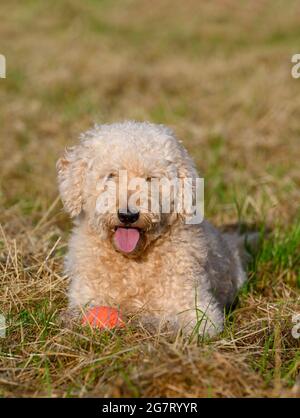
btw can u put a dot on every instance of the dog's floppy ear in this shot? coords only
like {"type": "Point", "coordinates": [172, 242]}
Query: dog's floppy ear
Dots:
{"type": "Point", "coordinates": [71, 171]}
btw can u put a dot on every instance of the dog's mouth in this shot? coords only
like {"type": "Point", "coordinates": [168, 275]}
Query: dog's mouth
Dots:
{"type": "Point", "coordinates": [126, 239]}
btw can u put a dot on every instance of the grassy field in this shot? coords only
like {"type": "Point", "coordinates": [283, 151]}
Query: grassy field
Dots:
{"type": "Point", "coordinates": [219, 73]}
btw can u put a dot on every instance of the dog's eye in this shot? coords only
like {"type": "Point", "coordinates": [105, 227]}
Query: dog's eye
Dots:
{"type": "Point", "coordinates": [111, 176]}
{"type": "Point", "coordinates": [150, 178]}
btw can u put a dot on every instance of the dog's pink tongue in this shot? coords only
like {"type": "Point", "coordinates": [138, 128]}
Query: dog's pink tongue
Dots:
{"type": "Point", "coordinates": [126, 239]}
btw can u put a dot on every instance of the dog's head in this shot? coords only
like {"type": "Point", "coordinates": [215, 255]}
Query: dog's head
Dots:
{"type": "Point", "coordinates": [117, 178]}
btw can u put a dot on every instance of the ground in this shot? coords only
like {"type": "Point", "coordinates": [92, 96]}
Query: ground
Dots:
{"type": "Point", "coordinates": [217, 72]}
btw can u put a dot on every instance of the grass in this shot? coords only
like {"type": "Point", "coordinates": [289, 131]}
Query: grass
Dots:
{"type": "Point", "coordinates": [218, 74]}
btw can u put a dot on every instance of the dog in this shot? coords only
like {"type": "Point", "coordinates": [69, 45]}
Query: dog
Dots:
{"type": "Point", "coordinates": [152, 265]}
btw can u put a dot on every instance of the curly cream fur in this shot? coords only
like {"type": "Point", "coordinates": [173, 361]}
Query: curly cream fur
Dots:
{"type": "Point", "coordinates": [182, 275]}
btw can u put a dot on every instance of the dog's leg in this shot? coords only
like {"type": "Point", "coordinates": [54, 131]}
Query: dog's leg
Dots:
{"type": "Point", "coordinates": [206, 321]}
{"type": "Point", "coordinates": [205, 318]}
{"type": "Point", "coordinates": [80, 299]}
{"type": "Point", "coordinates": [156, 324]}
{"type": "Point", "coordinates": [69, 317]}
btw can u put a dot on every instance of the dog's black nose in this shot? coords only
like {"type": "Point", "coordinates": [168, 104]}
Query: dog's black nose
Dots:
{"type": "Point", "coordinates": [127, 216]}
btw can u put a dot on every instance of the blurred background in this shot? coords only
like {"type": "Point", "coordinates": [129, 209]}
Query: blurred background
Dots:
{"type": "Point", "coordinates": [218, 73]}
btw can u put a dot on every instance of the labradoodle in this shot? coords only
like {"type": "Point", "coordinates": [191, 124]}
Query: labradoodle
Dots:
{"type": "Point", "coordinates": [155, 265]}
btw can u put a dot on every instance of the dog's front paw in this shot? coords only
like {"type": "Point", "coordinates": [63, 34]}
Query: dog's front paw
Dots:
{"type": "Point", "coordinates": [69, 318]}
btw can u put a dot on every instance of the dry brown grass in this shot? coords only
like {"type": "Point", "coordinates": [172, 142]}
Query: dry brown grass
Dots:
{"type": "Point", "coordinates": [219, 73]}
